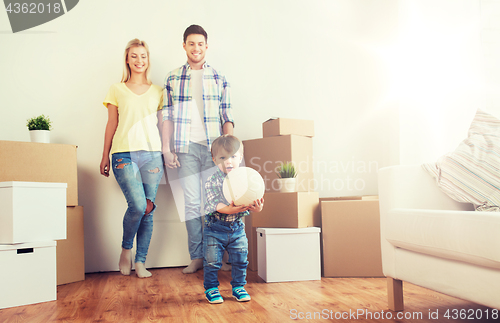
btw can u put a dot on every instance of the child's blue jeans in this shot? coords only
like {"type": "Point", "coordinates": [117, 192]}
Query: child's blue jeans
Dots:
{"type": "Point", "coordinates": [217, 237]}
{"type": "Point", "coordinates": [138, 173]}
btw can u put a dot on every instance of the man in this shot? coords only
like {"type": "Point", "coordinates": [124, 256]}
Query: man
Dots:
{"type": "Point", "coordinates": [197, 110]}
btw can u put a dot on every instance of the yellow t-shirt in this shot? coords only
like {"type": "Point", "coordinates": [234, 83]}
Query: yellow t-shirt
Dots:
{"type": "Point", "coordinates": [137, 118]}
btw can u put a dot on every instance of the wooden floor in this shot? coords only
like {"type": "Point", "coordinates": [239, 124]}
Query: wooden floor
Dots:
{"type": "Point", "coordinates": [170, 296]}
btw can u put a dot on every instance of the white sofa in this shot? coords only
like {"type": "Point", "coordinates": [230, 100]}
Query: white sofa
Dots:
{"type": "Point", "coordinates": [432, 241]}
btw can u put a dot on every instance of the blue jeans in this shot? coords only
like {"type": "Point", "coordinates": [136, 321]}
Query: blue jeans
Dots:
{"type": "Point", "coordinates": [196, 167]}
{"type": "Point", "coordinates": [220, 236]}
{"type": "Point", "coordinates": [138, 173]}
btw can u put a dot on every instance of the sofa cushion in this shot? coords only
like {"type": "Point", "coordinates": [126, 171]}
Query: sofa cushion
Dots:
{"type": "Point", "coordinates": [471, 174]}
{"type": "Point", "coordinates": [467, 236]}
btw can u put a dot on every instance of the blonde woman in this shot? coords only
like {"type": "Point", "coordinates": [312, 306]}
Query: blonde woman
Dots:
{"type": "Point", "coordinates": [133, 140]}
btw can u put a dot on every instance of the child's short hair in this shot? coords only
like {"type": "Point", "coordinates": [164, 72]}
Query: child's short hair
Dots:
{"type": "Point", "coordinates": [229, 143]}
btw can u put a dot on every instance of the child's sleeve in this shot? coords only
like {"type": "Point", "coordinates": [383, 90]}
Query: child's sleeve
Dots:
{"type": "Point", "coordinates": [214, 196]}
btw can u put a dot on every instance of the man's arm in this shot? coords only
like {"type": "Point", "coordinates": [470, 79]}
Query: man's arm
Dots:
{"type": "Point", "coordinates": [227, 128]}
{"type": "Point", "coordinates": [226, 109]}
{"type": "Point", "coordinates": [167, 129]}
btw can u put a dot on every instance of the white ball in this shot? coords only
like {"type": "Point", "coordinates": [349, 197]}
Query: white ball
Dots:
{"type": "Point", "coordinates": [243, 185]}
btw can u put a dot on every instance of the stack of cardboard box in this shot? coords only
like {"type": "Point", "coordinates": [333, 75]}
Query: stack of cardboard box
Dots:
{"type": "Point", "coordinates": [284, 140]}
{"type": "Point", "coordinates": [51, 163]}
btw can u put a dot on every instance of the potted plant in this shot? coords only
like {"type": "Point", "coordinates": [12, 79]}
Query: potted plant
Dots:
{"type": "Point", "coordinates": [39, 128]}
{"type": "Point", "coordinates": [287, 177]}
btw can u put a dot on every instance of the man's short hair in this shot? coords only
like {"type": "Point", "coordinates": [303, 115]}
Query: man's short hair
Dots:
{"type": "Point", "coordinates": [195, 29]}
{"type": "Point", "coordinates": [229, 143]}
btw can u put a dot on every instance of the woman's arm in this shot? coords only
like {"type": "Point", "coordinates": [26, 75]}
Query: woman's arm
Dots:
{"type": "Point", "coordinates": [108, 138]}
{"type": "Point", "coordinates": [159, 115]}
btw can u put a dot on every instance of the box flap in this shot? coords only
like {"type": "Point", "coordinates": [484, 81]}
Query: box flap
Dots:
{"type": "Point", "coordinates": [270, 119]}
{"type": "Point", "coordinates": [285, 126]}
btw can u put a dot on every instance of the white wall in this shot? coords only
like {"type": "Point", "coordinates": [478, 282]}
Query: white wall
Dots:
{"type": "Point", "coordinates": [325, 60]}
{"type": "Point", "coordinates": [439, 76]}
{"type": "Point", "coordinates": [490, 41]}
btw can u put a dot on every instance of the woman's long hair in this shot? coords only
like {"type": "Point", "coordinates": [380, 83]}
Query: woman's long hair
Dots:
{"type": "Point", "coordinates": [126, 69]}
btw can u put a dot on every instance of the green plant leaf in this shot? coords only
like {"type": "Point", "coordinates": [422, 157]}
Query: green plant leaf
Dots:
{"type": "Point", "coordinates": [286, 170]}
{"type": "Point", "coordinates": [39, 123]}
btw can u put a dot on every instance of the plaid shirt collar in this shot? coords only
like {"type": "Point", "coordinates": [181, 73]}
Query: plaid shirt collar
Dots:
{"type": "Point", "coordinates": [220, 174]}
{"type": "Point", "coordinates": [187, 67]}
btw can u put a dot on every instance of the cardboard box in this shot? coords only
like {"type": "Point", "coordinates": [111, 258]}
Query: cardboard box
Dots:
{"type": "Point", "coordinates": [266, 154]}
{"type": "Point", "coordinates": [288, 254]}
{"type": "Point", "coordinates": [282, 210]}
{"type": "Point", "coordinates": [38, 162]}
{"type": "Point", "coordinates": [282, 126]}
{"type": "Point", "coordinates": [350, 198]}
{"type": "Point", "coordinates": [70, 252]}
{"type": "Point", "coordinates": [289, 210]}
{"type": "Point", "coordinates": [28, 273]}
{"type": "Point", "coordinates": [340, 198]}
{"type": "Point", "coordinates": [351, 238]}
{"type": "Point", "coordinates": [32, 212]}
{"type": "Point", "coordinates": [251, 233]}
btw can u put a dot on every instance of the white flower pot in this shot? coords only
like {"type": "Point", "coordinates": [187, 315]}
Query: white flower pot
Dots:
{"type": "Point", "coordinates": [42, 136]}
{"type": "Point", "coordinates": [287, 184]}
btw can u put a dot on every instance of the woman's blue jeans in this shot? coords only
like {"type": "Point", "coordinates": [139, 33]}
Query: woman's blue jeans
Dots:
{"type": "Point", "coordinates": [217, 237]}
{"type": "Point", "coordinates": [138, 173]}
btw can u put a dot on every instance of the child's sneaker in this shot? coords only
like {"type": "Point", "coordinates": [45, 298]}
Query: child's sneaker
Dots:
{"type": "Point", "coordinates": [241, 294]}
{"type": "Point", "coordinates": [213, 296]}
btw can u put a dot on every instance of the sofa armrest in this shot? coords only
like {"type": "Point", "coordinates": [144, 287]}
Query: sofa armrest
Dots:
{"type": "Point", "coordinates": [408, 187]}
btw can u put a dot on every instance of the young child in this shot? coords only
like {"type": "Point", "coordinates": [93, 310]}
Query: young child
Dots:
{"type": "Point", "coordinates": [224, 229]}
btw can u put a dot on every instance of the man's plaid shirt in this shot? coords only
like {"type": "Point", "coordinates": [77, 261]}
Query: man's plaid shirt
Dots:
{"type": "Point", "coordinates": [177, 99]}
{"type": "Point", "coordinates": [213, 189]}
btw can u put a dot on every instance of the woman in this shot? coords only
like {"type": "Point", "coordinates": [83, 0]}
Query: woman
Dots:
{"type": "Point", "coordinates": [133, 139]}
